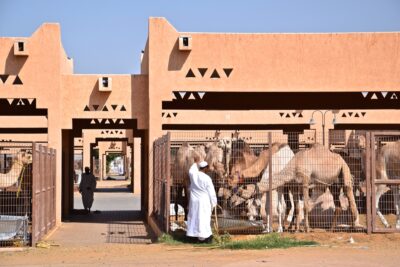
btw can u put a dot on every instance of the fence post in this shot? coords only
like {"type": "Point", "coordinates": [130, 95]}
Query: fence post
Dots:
{"type": "Point", "coordinates": [270, 180]}
{"type": "Point", "coordinates": [368, 159]}
{"type": "Point", "coordinates": [168, 176]}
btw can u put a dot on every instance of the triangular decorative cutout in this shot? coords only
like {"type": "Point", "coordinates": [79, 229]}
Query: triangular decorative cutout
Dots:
{"type": "Point", "coordinates": [102, 132]}
{"type": "Point", "coordinates": [344, 115]}
{"type": "Point", "coordinates": [364, 94]}
{"type": "Point", "coordinates": [394, 96]}
{"type": "Point", "coordinates": [191, 96]}
{"type": "Point", "coordinates": [174, 113]}
{"type": "Point", "coordinates": [287, 115]}
{"type": "Point", "coordinates": [107, 131]}
{"type": "Point", "coordinates": [121, 121]}
{"type": "Point", "coordinates": [190, 74]}
{"type": "Point", "coordinates": [374, 96]}
{"type": "Point", "coordinates": [112, 132]}
{"type": "Point", "coordinates": [162, 114]}
{"type": "Point", "coordinates": [294, 114]}
{"type": "Point", "coordinates": [20, 103]}
{"type": "Point", "coordinates": [30, 100]}
{"type": "Point", "coordinates": [201, 94]}
{"type": "Point", "coordinates": [10, 100]}
{"type": "Point", "coordinates": [107, 121]}
{"type": "Point", "coordinates": [168, 115]}
{"type": "Point", "coordinates": [281, 113]}
{"type": "Point", "coordinates": [86, 108]}
{"type": "Point", "coordinates": [114, 107]}
{"type": "Point", "coordinates": [105, 108]}
{"type": "Point", "coordinates": [99, 121]}
{"type": "Point", "coordinates": [4, 77]}
{"type": "Point", "coordinates": [95, 107]}
{"type": "Point", "coordinates": [384, 94]}
{"type": "Point", "coordinates": [228, 71]}
{"type": "Point", "coordinates": [301, 115]}
{"type": "Point", "coordinates": [202, 71]}
{"type": "Point", "coordinates": [363, 113]}
{"type": "Point", "coordinates": [17, 80]}
{"type": "Point", "coordinates": [182, 94]}
{"type": "Point", "coordinates": [350, 114]}
{"type": "Point", "coordinates": [356, 116]}
{"type": "Point", "coordinates": [120, 132]}
{"type": "Point", "coordinates": [123, 108]}
{"type": "Point", "coordinates": [215, 74]}
{"type": "Point", "coordinates": [114, 121]}
{"type": "Point", "coordinates": [92, 122]}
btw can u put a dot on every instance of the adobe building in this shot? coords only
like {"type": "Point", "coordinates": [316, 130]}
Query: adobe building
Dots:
{"type": "Point", "coordinates": [194, 82]}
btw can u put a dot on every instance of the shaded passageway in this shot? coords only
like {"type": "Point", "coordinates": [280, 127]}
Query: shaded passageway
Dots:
{"type": "Point", "coordinates": [115, 218]}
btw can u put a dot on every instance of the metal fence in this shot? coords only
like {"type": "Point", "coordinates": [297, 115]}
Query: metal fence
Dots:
{"type": "Point", "coordinates": [161, 182]}
{"type": "Point", "coordinates": [326, 182]}
{"type": "Point", "coordinates": [27, 192]}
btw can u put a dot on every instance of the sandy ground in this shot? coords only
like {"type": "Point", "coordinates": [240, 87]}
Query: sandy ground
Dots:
{"type": "Point", "coordinates": [334, 250]}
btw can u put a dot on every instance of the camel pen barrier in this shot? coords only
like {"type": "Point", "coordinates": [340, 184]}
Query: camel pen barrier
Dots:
{"type": "Point", "coordinates": [27, 192]}
{"type": "Point", "coordinates": [328, 182]}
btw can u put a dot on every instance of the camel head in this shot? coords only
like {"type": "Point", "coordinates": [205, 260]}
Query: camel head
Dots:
{"type": "Point", "coordinates": [24, 157]}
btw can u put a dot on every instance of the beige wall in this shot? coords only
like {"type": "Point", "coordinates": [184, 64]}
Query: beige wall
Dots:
{"type": "Point", "coordinates": [260, 62]}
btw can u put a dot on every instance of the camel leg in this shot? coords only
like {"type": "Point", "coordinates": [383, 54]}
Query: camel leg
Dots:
{"type": "Point", "coordinates": [335, 191]}
{"type": "Point", "coordinates": [306, 207]}
{"type": "Point", "coordinates": [396, 198]}
{"type": "Point", "coordinates": [379, 192]}
{"type": "Point", "coordinates": [264, 212]}
{"type": "Point", "coordinates": [353, 206]}
{"type": "Point", "coordinates": [281, 212]}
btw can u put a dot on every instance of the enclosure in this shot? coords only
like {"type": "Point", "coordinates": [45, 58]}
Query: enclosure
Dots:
{"type": "Point", "coordinates": [27, 192]}
{"type": "Point", "coordinates": [345, 180]}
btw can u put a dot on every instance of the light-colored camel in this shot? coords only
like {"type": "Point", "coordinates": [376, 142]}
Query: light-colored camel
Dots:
{"type": "Point", "coordinates": [386, 158]}
{"type": "Point", "coordinates": [259, 167]}
{"type": "Point", "coordinates": [11, 177]}
{"type": "Point", "coordinates": [184, 159]}
{"type": "Point", "coordinates": [387, 168]}
{"type": "Point", "coordinates": [317, 165]}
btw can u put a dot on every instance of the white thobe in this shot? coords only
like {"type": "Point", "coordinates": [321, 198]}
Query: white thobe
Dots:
{"type": "Point", "coordinates": [202, 200]}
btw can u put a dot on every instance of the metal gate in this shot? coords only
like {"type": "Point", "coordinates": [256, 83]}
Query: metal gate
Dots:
{"type": "Point", "coordinates": [385, 181]}
{"type": "Point", "coordinates": [43, 191]}
{"type": "Point", "coordinates": [161, 182]}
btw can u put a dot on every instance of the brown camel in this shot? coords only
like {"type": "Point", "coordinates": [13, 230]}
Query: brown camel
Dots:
{"type": "Point", "coordinates": [317, 165]}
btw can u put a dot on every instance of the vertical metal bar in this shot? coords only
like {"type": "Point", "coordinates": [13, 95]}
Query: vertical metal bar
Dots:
{"type": "Point", "coordinates": [368, 180]}
{"type": "Point", "coordinates": [168, 173]}
{"type": "Point", "coordinates": [270, 179]}
{"type": "Point", "coordinates": [372, 180]}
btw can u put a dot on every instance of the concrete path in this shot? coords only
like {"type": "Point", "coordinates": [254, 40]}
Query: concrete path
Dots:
{"type": "Point", "coordinates": [115, 218]}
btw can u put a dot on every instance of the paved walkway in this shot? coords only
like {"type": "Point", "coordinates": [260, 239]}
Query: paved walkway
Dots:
{"type": "Point", "coordinates": [115, 218]}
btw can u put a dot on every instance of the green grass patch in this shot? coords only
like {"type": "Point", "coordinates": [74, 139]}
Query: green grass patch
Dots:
{"type": "Point", "coordinates": [268, 241]}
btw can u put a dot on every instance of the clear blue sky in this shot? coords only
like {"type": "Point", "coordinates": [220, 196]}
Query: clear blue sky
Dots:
{"type": "Point", "coordinates": [107, 36]}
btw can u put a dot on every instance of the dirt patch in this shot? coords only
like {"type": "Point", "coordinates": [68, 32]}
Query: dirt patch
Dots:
{"type": "Point", "coordinates": [335, 250]}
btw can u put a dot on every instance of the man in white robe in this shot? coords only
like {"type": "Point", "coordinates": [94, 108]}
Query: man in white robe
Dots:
{"type": "Point", "coordinates": [202, 201]}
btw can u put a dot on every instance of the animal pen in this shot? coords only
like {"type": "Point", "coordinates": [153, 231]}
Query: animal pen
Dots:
{"type": "Point", "coordinates": [349, 184]}
{"type": "Point", "coordinates": [27, 192]}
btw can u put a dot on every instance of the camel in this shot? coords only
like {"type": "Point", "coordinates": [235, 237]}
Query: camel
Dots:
{"type": "Point", "coordinates": [185, 157]}
{"type": "Point", "coordinates": [249, 166]}
{"type": "Point", "coordinates": [318, 165]}
{"type": "Point", "coordinates": [386, 158]}
{"type": "Point", "coordinates": [387, 161]}
{"type": "Point", "coordinates": [11, 177]}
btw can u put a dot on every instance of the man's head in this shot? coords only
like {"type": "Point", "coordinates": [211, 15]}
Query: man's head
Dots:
{"type": "Point", "coordinates": [203, 166]}
{"type": "Point", "coordinates": [87, 170]}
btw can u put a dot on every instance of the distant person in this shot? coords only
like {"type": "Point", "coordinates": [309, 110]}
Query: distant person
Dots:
{"type": "Point", "coordinates": [202, 201]}
{"type": "Point", "coordinates": [86, 188]}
